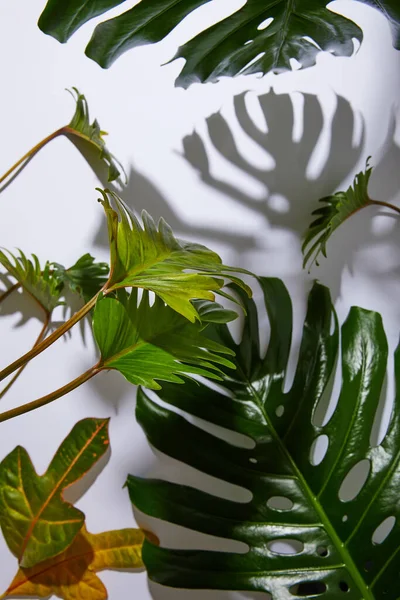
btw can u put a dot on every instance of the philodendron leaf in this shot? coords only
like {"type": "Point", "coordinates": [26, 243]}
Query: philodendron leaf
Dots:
{"type": "Point", "coordinates": [150, 257]}
{"type": "Point", "coordinates": [37, 523]}
{"type": "Point", "coordinates": [86, 277]}
{"type": "Point", "coordinates": [72, 574]}
{"type": "Point", "coordinates": [261, 36]}
{"type": "Point", "coordinates": [42, 283]}
{"type": "Point", "coordinates": [81, 127]}
{"type": "Point", "coordinates": [298, 470]}
{"type": "Point", "coordinates": [153, 342]}
{"type": "Point", "coordinates": [335, 210]}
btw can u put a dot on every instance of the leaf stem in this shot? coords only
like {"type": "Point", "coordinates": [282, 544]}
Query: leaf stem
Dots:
{"type": "Point", "coordinates": [32, 152]}
{"type": "Point", "coordinates": [385, 204]}
{"type": "Point", "coordinates": [72, 385]}
{"type": "Point", "coordinates": [51, 338]}
{"type": "Point", "coordinates": [40, 337]}
{"type": "Point", "coordinates": [10, 290]}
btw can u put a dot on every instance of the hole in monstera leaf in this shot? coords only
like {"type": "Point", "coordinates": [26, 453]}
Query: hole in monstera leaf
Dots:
{"type": "Point", "coordinates": [280, 410]}
{"type": "Point", "coordinates": [345, 518]}
{"type": "Point", "coordinates": [310, 588]}
{"type": "Point", "coordinates": [322, 551]}
{"type": "Point", "coordinates": [383, 530]}
{"type": "Point", "coordinates": [286, 546]}
{"type": "Point", "coordinates": [253, 460]}
{"type": "Point", "coordinates": [248, 42]}
{"type": "Point", "coordinates": [264, 24]}
{"type": "Point", "coordinates": [354, 481]}
{"type": "Point", "coordinates": [344, 587]}
{"type": "Point", "coordinates": [280, 503]}
{"type": "Point", "coordinates": [318, 450]}
{"type": "Point", "coordinates": [252, 62]}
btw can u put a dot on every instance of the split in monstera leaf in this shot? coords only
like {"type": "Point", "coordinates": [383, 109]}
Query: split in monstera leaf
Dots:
{"type": "Point", "coordinates": [78, 130]}
{"type": "Point", "coordinates": [145, 341]}
{"type": "Point", "coordinates": [336, 210]}
{"type": "Point", "coordinates": [259, 37]}
{"type": "Point", "coordinates": [47, 534]}
{"type": "Point", "coordinates": [323, 518]}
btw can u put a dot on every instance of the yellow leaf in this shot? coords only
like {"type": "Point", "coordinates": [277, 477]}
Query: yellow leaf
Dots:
{"type": "Point", "coordinates": [72, 574]}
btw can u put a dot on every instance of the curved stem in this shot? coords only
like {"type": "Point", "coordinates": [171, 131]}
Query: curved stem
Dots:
{"type": "Point", "coordinates": [10, 290]}
{"type": "Point", "coordinates": [18, 373]}
{"type": "Point", "coordinates": [386, 205]}
{"type": "Point", "coordinates": [50, 339]}
{"type": "Point", "coordinates": [25, 408]}
{"type": "Point", "coordinates": [32, 152]}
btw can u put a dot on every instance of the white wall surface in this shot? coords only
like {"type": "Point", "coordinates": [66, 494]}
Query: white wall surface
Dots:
{"type": "Point", "coordinates": [51, 209]}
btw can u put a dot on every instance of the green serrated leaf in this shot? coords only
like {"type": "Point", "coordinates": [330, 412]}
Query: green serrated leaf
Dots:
{"type": "Point", "coordinates": [81, 127]}
{"type": "Point", "coordinates": [337, 209]}
{"type": "Point", "coordinates": [42, 283]}
{"type": "Point", "coordinates": [259, 37]}
{"type": "Point", "coordinates": [150, 257]}
{"type": "Point", "coordinates": [85, 278]}
{"type": "Point", "coordinates": [37, 523]}
{"type": "Point", "coordinates": [293, 495]}
{"type": "Point", "coordinates": [147, 342]}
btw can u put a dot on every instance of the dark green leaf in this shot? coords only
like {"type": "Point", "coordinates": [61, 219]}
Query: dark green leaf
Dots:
{"type": "Point", "coordinates": [153, 342]}
{"type": "Point", "coordinates": [337, 554]}
{"type": "Point", "coordinates": [261, 36]}
{"type": "Point", "coordinates": [335, 210]}
{"type": "Point", "coordinates": [37, 523]}
{"type": "Point", "coordinates": [150, 257]}
{"type": "Point", "coordinates": [86, 277]}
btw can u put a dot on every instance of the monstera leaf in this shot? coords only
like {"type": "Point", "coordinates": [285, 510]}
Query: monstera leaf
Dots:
{"type": "Point", "coordinates": [151, 258]}
{"type": "Point", "coordinates": [297, 471]}
{"type": "Point", "coordinates": [261, 36]}
{"type": "Point", "coordinates": [147, 342]}
{"type": "Point", "coordinates": [37, 523]}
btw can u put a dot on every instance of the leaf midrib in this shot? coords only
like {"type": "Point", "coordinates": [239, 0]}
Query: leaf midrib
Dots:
{"type": "Point", "coordinates": [348, 562]}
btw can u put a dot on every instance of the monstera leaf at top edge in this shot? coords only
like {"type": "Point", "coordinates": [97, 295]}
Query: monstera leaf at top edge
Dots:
{"type": "Point", "coordinates": [150, 257]}
{"type": "Point", "coordinates": [261, 36]}
{"type": "Point", "coordinates": [337, 209]}
{"type": "Point", "coordinates": [147, 342]}
{"type": "Point", "coordinates": [297, 496]}
{"type": "Point", "coordinates": [72, 574]}
{"type": "Point", "coordinates": [86, 277]}
{"type": "Point", "coordinates": [37, 523]}
{"type": "Point", "coordinates": [43, 284]}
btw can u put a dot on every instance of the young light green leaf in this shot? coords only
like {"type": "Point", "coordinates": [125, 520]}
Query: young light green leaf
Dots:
{"type": "Point", "coordinates": [86, 277]}
{"type": "Point", "coordinates": [37, 523]}
{"type": "Point", "coordinates": [259, 37]}
{"type": "Point", "coordinates": [42, 283]}
{"type": "Point", "coordinates": [337, 209]}
{"type": "Point", "coordinates": [298, 469]}
{"type": "Point", "coordinates": [153, 342]}
{"type": "Point", "coordinates": [150, 257]}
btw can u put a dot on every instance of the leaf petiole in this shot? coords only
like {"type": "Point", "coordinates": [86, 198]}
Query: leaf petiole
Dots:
{"type": "Point", "coordinates": [385, 204]}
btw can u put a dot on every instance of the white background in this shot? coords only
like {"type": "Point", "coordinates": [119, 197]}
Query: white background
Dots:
{"type": "Point", "coordinates": [51, 209]}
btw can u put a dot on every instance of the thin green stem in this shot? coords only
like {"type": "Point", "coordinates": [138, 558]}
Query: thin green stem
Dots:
{"type": "Point", "coordinates": [62, 391]}
{"type": "Point", "coordinates": [40, 337]}
{"type": "Point", "coordinates": [10, 290]}
{"type": "Point", "coordinates": [51, 338]}
{"type": "Point", "coordinates": [385, 204]}
{"type": "Point", "coordinates": [32, 152]}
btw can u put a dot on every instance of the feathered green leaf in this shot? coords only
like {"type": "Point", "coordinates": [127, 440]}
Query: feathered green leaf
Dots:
{"type": "Point", "coordinates": [86, 277]}
{"type": "Point", "coordinates": [43, 283]}
{"type": "Point", "coordinates": [150, 257]}
{"type": "Point", "coordinates": [299, 496]}
{"type": "Point", "coordinates": [153, 342]}
{"type": "Point", "coordinates": [337, 209]}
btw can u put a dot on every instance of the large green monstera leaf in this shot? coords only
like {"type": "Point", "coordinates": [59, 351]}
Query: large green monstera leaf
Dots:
{"type": "Point", "coordinates": [299, 495]}
{"type": "Point", "coordinates": [261, 36]}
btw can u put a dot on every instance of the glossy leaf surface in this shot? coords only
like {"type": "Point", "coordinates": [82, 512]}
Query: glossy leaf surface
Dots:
{"type": "Point", "coordinates": [36, 522]}
{"type": "Point", "coordinates": [261, 36]}
{"type": "Point", "coordinates": [72, 574]}
{"type": "Point", "coordinates": [335, 555]}
{"type": "Point", "coordinates": [335, 210]}
{"type": "Point", "coordinates": [148, 343]}
{"type": "Point", "coordinates": [151, 257]}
